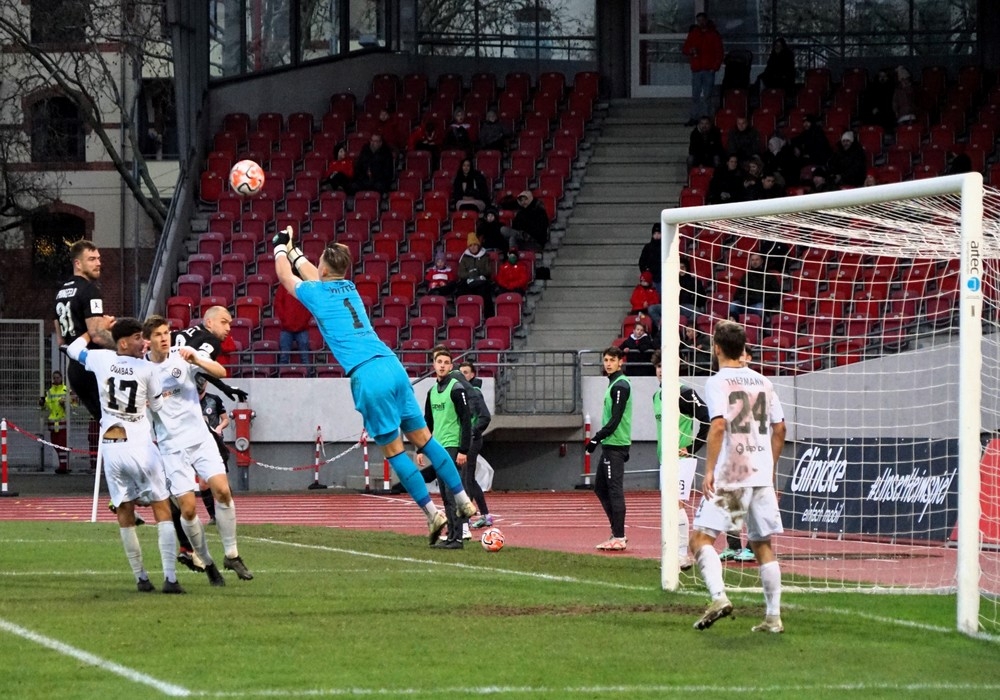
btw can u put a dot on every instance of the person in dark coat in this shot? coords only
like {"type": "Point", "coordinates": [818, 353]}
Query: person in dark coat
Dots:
{"type": "Point", "coordinates": [779, 73]}
{"type": "Point", "coordinates": [650, 260]}
{"type": "Point", "coordinates": [705, 145]}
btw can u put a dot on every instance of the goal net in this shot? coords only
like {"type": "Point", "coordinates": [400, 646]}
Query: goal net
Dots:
{"type": "Point", "coordinates": [875, 313]}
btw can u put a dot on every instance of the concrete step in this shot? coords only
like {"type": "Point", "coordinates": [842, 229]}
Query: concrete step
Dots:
{"type": "Point", "coordinates": [594, 317]}
{"type": "Point", "coordinates": [611, 215]}
{"type": "Point", "coordinates": [636, 192]}
{"type": "Point", "coordinates": [593, 275]}
{"type": "Point", "coordinates": [596, 254]}
{"type": "Point", "coordinates": [561, 339]}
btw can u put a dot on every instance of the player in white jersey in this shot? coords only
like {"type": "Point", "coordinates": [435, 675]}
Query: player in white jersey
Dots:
{"type": "Point", "coordinates": [744, 443]}
{"type": "Point", "coordinates": [127, 384]}
{"type": "Point", "coordinates": [187, 447]}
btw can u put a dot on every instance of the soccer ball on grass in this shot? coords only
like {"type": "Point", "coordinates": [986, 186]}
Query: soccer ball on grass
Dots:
{"type": "Point", "coordinates": [492, 539]}
{"type": "Point", "coordinates": [246, 178]}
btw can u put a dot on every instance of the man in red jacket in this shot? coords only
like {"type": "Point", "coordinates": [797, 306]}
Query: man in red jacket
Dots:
{"type": "Point", "coordinates": [294, 319]}
{"type": "Point", "coordinates": [703, 47]}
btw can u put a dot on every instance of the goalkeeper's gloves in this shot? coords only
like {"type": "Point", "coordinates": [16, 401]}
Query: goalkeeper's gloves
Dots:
{"type": "Point", "coordinates": [592, 446]}
{"type": "Point", "coordinates": [282, 241]}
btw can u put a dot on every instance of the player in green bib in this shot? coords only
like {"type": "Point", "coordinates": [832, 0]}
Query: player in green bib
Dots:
{"type": "Point", "coordinates": [615, 439]}
{"type": "Point", "coordinates": [691, 408]}
{"type": "Point", "coordinates": [448, 416]}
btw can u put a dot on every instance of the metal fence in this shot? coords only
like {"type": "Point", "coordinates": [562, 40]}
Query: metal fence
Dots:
{"type": "Point", "coordinates": [22, 383]}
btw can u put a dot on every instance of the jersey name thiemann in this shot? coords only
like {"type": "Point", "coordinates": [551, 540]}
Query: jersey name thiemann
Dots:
{"type": "Point", "coordinates": [747, 401]}
{"type": "Point", "coordinates": [175, 424]}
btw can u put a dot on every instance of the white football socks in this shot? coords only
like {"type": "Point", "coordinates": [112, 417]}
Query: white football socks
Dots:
{"type": "Point", "coordinates": [711, 571]}
{"type": "Point", "coordinates": [133, 551]}
{"type": "Point", "coordinates": [168, 549]}
{"type": "Point", "coordinates": [196, 535]}
{"type": "Point", "coordinates": [770, 580]}
{"type": "Point", "coordinates": [225, 520]}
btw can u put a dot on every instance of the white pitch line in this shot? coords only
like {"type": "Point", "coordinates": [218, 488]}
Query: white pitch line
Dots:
{"type": "Point", "coordinates": [616, 690]}
{"type": "Point", "coordinates": [94, 660]}
{"type": "Point", "coordinates": [455, 565]}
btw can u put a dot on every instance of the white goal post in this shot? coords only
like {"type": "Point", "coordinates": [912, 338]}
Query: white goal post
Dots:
{"type": "Point", "coordinates": [853, 395]}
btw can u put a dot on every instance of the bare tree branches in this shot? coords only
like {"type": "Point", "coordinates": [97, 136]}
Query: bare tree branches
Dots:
{"type": "Point", "coordinates": [101, 76]}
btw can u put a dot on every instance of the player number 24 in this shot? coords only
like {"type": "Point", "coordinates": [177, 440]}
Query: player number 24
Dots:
{"type": "Point", "coordinates": [748, 413]}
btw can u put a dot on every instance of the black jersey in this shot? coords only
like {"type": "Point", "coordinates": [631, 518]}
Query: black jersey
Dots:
{"type": "Point", "coordinates": [199, 338]}
{"type": "Point", "coordinates": [77, 300]}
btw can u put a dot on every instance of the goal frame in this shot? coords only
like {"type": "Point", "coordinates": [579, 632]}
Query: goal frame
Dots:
{"type": "Point", "coordinates": [970, 189]}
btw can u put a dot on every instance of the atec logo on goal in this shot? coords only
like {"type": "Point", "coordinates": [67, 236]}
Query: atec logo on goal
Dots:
{"type": "Point", "coordinates": [974, 274]}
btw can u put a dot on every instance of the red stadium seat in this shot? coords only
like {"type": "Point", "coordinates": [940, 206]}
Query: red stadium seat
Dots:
{"type": "Point", "coordinates": [179, 307]}
{"type": "Point", "coordinates": [433, 306]}
{"type": "Point", "coordinates": [191, 286]}
{"type": "Point", "coordinates": [250, 307]}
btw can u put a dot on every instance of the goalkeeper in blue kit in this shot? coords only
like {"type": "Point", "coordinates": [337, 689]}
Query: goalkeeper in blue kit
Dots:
{"type": "Point", "coordinates": [379, 384]}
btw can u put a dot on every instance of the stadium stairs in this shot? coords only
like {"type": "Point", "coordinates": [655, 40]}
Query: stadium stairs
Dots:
{"type": "Point", "coordinates": [635, 169]}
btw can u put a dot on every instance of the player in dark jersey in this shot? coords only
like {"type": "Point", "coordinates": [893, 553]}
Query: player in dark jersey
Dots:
{"type": "Point", "coordinates": [79, 308]}
{"type": "Point", "coordinates": [207, 338]}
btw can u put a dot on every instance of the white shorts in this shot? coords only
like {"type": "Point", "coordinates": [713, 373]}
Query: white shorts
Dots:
{"type": "Point", "coordinates": [134, 472]}
{"type": "Point", "coordinates": [182, 467]}
{"type": "Point", "coordinates": [726, 511]}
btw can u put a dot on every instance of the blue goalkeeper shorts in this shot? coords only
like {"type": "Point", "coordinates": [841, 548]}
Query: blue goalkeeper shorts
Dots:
{"type": "Point", "coordinates": [384, 398]}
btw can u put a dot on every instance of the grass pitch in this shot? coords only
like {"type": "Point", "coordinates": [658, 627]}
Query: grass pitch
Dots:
{"type": "Point", "coordinates": [339, 612]}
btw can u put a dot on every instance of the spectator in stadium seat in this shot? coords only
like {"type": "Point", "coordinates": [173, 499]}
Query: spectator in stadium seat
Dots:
{"type": "Point", "coordinates": [375, 167]}
{"type": "Point", "coordinates": [340, 172]}
{"type": "Point", "coordinates": [848, 164]}
{"type": "Point", "coordinates": [493, 135]}
{"type": "Point", "coordinates": [696, 349]}
{"type": "Point", "coordinates": [759, 292]}
{"type": "Point", "coordinates": [514, 275]}
{"type": "Point", "coordinates": [703, 47]}
{"type": "Point", "coordinates": [692, 293]}
{"type": "Point", "coordinates": [744, 140]}
{"type": "Point", "coordinates": [459, 132]}
{"type": "Point", "coordinates": [474, 274]}
{"type": "Point", "coordinates": [650, 260]}
{"type": "Point", "coordinates": [441, 277]}
{"type": "Point", "coordinates": [638, 348]}
{"type": "Point", "coordinates": [779, 158]}
{"type": "Point", "coordinates": [904, 101]}
{"type": "Point", "coordinates": [644, 297]}
{"type": "Point", "coordinates": [727, 182]}
{"type": "Point", "coordinates": [705, 145]}
{"type": "Point", "coordinates": [425, 137]}
{"type": "Point", "coordinates": [876, 103]}
{"type": "Point", "coordinates": [820, 182]}
{"type": "Point", "coordinates": [393, 134]}
{"type": "Point", "coordinates": [469, 189]}
{"type": "Point", "coordinates": [530, 227]}
{"type": "Point", "coordinates": [753, 171]}
{"type": "Point", "coordinates": [489, 231]}
{"type": "Point", "coordinates": [294, 319]}
{"type": "Point", "coordinates": [779, 73]}
{"type": "Point", "coordinates": [769, 187]}
{"type": "Point", "coordinates": [811, 147]}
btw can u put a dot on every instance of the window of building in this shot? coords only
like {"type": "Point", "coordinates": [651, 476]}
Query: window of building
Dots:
{"type": "Point", "coordinates": [58, 21]}
{"type": "Point", "coordinates": [53, 234]}
{"type": "Point", "coordinates": [57, 133]}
